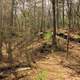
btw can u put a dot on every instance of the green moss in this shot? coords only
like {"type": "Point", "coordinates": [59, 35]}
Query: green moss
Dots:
{"type": "Point", "coordinates": [47, 36]}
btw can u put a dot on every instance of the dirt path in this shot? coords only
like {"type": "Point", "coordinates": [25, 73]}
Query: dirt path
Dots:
{"type": "Point", "coordinates": [51, 68]}
{"type": "Point", "coordinates": [55, 70]}
{"type": "Point", "coordinates": [53, 65]}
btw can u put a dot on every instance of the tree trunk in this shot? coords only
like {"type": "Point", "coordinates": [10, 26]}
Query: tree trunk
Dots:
{"type": "Point", "coordinates": [69, 26]}
{"type": "Point", "coordinates": [54, 25]}
{"type": "Point", "coordinates": [1, 25]}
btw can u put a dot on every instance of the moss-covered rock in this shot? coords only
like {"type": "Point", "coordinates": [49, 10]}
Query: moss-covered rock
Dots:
{"type": "Point", "coordinates": [47, 36]}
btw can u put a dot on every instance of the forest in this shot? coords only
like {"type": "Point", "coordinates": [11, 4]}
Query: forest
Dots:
{"type": "Point", "coordinates": [39, 39]}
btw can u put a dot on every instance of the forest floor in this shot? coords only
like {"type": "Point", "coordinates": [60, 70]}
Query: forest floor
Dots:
{"type": "Point", "coordinates": [58, 68]}
{"type": "Point", "coordinates": [56, 71]}
{"type": "Point", "coordinates": [52, 65]}
{"type": "Point", "coordinates": [55, 66]}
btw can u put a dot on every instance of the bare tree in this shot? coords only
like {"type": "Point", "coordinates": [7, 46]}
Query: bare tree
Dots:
{"type": "Point", "coordinates": [54, 24]}
{"type": "Point", "coordinates": [69, 2]}
{"type": "Point", "coordinates": [1, 25]}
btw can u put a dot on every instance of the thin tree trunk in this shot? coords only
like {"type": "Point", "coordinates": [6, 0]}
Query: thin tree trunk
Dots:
{"type": "Point", "coordinates": [9, 50]}
{"type": "Point", "coordinates": [42, 19]}
{"type": "Point", "coordinates": [1, 25]}
{"type": "Point", "coordinates": [63, 13]}
{"type": "Point", "coordinates": [69, 26]}
{"type": "Point", "coordinates": [54, 25]}
{"type": "Point", "coordinates": [57, 15]}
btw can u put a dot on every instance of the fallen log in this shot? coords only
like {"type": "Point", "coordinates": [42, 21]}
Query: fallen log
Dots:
{"type": "Point", "coordinates": [6, 71]}
{"type": "Point", "coordinates": [13, 68]}
{"type": "Point", "coordinates": [65, 36]}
